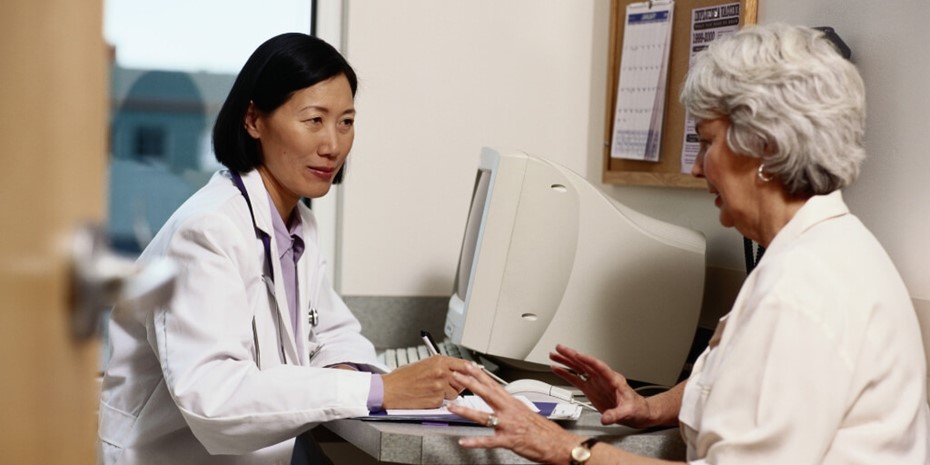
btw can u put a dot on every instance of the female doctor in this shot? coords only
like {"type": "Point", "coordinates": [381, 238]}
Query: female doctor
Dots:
{"type": "Point", "coordinates": [255, 348]}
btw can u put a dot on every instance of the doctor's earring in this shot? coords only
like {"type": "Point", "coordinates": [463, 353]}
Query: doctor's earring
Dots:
{"type": "Point", "coordinates": [760, 173]}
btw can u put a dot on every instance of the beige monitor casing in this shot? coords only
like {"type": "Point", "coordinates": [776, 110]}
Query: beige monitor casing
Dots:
{"type": "Point", "coordinates": [558, 262]}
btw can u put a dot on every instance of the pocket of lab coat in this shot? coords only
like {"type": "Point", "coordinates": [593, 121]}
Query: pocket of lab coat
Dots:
{"type": "Point", "coordinates": [115, 428]}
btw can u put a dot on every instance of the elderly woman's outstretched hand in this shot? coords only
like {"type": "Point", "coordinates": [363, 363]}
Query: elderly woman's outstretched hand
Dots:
{"type": "Point", "coordinates": [516, 427]}
{"type": "Point", "coordinates": [606, 389]}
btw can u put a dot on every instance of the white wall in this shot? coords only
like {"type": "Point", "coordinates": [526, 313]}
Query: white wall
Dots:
{"type": "Point", "coordinates": [888, 42]}
{"type": "Point", "coordinates": [438, 81]}
{"type": "Point", "coordinates": [441, 79]}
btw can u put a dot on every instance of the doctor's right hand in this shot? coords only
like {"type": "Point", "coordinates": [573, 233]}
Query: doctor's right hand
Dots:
{"type": "Point", "coordinates": [423, 384]}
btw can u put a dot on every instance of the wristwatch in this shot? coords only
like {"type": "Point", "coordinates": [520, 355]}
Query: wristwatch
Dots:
{"type": "Point", "coordinates": [582, 452]}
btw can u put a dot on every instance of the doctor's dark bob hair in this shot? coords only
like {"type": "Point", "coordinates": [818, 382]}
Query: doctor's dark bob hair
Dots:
{"type": "Point", "coordinates": [279, 67]}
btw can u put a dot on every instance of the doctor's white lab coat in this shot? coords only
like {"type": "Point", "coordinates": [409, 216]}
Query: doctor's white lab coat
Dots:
{"type": "Point", "coordinates": [216, 375]}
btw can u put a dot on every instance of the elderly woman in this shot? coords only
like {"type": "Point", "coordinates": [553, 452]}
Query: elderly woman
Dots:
{"type": "Point", "coordinates": [820, 359]}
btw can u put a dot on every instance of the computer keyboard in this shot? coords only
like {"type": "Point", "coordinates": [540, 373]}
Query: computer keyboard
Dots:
{"type": "Point", "coordinates": [400, 356]}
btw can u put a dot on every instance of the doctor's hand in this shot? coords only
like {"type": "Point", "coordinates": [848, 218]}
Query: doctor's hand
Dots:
{"type": "Point", "coordinates": [423, 384]}
{"type": "Point", "coordinates": [607, 390]}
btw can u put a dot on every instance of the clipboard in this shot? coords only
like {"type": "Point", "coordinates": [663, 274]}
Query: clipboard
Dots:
{"type": "Point", "coordinates": [557, 411]}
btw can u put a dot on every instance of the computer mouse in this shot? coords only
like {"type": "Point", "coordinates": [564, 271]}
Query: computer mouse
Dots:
{"type": "Point", "coordinates": [538, 391]}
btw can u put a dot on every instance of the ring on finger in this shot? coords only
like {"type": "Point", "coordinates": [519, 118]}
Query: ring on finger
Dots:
{"type": "Point", "coordinates": [583, 376]}
{"type": "Point", "coordinates": [492, 421]}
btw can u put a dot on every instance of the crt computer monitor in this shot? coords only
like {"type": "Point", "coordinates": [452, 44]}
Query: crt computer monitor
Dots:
{"type": "Point", "coordinates": [547, 258]}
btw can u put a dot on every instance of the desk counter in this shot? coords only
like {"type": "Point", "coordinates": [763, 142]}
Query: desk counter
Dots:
{"type": "Point", "coordinates": [387, 322]}
{"type": "Point", "coordinates": [411, 443]}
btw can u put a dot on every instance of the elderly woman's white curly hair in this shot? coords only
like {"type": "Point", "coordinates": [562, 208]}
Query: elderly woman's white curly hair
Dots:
{"type": "Point", "coordinates": [792, 100]}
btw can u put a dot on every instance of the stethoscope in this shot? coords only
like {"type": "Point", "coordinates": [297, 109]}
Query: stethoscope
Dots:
{"type": "Point", "coordinates": [313, 316]}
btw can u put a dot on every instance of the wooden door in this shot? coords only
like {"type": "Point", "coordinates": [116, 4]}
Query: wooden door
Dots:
{"type": "Point", "coordinates": [53, 120]}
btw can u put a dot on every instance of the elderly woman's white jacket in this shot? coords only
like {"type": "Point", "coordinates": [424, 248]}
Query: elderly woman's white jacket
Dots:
{"type": "Point", "coordinates": [820, 362]}
{"type": "Point", "coordinates": [217, 371]}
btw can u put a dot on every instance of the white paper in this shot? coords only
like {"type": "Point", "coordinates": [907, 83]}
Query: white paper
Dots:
{"type": "Point", "coordinates": [643, 75]}
{"type": "Point", "coordinates": [472, 402]}
{"type": "Point", "coordinates": [707, 25]}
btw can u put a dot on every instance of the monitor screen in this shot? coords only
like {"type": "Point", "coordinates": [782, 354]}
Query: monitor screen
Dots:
{"type": "Point", "coordinates": [470, 242]}
{"type": "Point", "coordinates": [546, 258]}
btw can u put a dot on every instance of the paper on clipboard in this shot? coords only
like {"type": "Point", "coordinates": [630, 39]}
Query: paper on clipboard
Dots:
{"type": "Point", "coordinates": [643, 76]}
{"type": "Point", "coordinates": [551, 410]}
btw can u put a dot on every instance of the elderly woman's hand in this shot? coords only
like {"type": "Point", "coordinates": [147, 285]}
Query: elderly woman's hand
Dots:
{"type": "Point", "coordinates": [516, 427]}
{"type": "Point", "coordinates": [606, 389]}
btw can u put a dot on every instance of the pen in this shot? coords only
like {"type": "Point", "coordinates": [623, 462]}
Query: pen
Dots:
{"type": "Point", "coordinates": [492, 375]}
{"type": "Point", "coordinates": [434, 350]}
{"type": "Point", "coordinates": [430, 343]}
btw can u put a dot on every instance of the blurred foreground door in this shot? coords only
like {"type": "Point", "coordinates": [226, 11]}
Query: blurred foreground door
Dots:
{"type": "Point", "coordinates": [53, 104]}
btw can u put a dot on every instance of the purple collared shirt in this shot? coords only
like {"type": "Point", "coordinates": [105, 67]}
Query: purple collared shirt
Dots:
{"type": "Point", "coordinates": [290, 241]}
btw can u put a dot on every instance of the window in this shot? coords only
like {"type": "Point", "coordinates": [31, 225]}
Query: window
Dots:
{"type": "Point", "coordinates": [149, 142]}
{"type": "Point", "coordinates": [173, 65]}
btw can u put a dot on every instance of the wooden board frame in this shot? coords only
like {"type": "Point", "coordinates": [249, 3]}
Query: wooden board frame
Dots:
{"type": "Point", "coordinates": [667, 171]}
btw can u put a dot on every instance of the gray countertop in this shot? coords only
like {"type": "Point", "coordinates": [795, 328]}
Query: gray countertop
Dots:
{"type": "Point", "coordinates": [412, 443]}
{"type": "Point", "coordinates": [394, 322]}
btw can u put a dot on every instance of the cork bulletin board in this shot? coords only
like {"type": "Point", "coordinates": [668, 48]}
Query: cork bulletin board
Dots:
{"type": "Point", "coordinates": [667, 171]}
